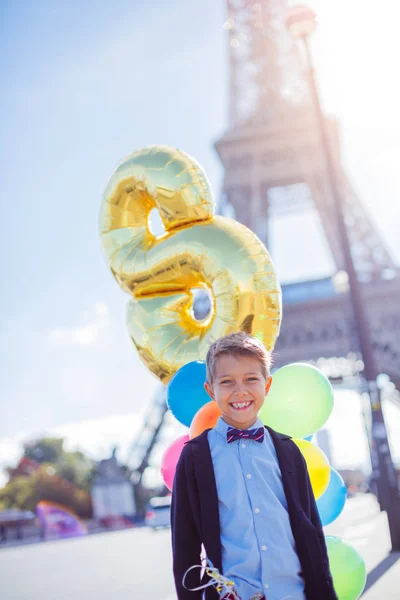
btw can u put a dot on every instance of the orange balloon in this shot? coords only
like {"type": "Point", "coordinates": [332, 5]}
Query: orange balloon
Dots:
{"type": "Point", "coordinates": [205, 418]}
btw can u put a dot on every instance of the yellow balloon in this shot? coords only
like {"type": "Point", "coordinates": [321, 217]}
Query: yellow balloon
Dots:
{"type": "Point", "coordinates": [317, 465]}
{"type": "Point", "coordinates": [197, 250]}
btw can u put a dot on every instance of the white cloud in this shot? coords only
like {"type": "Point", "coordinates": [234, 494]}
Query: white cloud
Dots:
{"type": "Point", "coordinates": [86, 334]}
{"type": "Point", "coordinates": [97, 437]}
{"type": "Point", "coordinates": [101, 309]}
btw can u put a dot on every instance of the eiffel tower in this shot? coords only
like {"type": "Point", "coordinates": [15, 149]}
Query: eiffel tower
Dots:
{"type": "Point", "coordinates": [273, 166]}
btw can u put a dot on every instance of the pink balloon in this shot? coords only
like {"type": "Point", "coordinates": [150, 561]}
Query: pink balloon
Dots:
{"type": "Point", "coordinates": [170, 460]}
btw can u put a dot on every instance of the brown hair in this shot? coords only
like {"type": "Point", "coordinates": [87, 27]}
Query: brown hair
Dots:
{"type": "Point", "coordinates": [237, 343]}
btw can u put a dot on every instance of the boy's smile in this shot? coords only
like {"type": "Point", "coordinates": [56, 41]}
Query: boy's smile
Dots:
{"type": "Point", "coordinates": [239, 388]}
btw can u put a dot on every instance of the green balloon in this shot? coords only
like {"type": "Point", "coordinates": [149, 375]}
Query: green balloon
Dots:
{"type": "Point", "coordinates": [299, 402]}
{"type": "Point", "coordinates": [347, 568]}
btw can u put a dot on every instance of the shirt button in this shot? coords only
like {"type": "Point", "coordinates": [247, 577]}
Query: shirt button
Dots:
{"type": "Point", "coordinates": [256, 510]}
{"type": "Point", "coordinates": [248, 476]}
{"type": "Point", "coordinates": [263, 547]}
{"type": "Point", "coordinates": [266, 586]}
{"type": "Point", "coordinates": [243, 445]}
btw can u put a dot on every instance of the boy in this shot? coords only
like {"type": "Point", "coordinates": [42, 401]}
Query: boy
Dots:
{"type": "Point", "coordinates": [243, 491]}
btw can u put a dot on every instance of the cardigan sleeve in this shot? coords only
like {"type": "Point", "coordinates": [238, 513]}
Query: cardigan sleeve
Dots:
{"type": "Point", "coordinates": [316, 521]}
{"type": "Point", "coordinates": [186, 542]}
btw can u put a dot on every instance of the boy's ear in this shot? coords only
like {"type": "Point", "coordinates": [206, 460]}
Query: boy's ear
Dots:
{"type": "Point", "coordinates": [268, 385]}
{"type": "Point", "coordinates": [209, 390]}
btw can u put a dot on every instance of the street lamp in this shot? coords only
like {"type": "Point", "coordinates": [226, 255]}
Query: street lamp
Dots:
{"type": "Point", "coordinates": [301, 22]}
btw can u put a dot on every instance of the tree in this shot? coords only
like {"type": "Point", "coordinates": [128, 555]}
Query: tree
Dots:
{"type": "Point", "coordinates": [44, 450]}
{"type": "Point", "coordinates": [47, 472]}
{"type": "Point", "coordinates": [19, 492]}
{"type": "Point", "coordinates": [75, 467]}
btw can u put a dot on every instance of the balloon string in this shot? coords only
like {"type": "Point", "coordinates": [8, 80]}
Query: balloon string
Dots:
{"type": "Point", "coordinates": [222, 584]}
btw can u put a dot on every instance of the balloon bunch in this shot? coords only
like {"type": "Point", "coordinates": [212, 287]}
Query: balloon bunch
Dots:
{"type": "Point", "coordinates": [161, 273]}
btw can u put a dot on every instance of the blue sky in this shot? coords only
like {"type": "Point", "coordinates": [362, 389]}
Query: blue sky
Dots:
{"type": "Point", "coordinates": [85, 84]}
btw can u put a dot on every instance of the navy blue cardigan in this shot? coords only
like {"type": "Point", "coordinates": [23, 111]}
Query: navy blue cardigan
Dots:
{"type": "Point", "coordinates": [195, 518]}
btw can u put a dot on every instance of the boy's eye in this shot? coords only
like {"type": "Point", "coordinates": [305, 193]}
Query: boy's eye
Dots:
{"type": "Point", "coordinates": [252, 379]}
{"type": "Point", "coordinates": [226, 381]}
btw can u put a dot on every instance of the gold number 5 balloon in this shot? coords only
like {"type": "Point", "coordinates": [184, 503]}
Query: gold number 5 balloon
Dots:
{"type": "Point", "coordinates": [197, 250]}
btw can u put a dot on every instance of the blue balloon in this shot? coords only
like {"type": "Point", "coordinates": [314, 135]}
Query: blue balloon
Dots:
{"type": "Point", "coordinates": [309, 437]}
{"type": "Point", "coordinates": [332, 501]}
{"type": "Point", "coordinates": [186, 393]}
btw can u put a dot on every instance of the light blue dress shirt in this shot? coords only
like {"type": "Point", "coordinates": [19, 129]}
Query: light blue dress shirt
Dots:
{"type": "Point", "coordinates": [258, 548]}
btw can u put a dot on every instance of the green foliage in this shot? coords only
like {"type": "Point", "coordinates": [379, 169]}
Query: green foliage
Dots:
{"type": "Point", "coordinates": [45, 450]}
{"type": "Point", "coordinates": [75, 467]}
{"type": "Point", "coordinates": [25, 492]}
{"type": "Point", "coordinates": [19, 492]}
{"type": "Point", "coordinates": [59, 476]}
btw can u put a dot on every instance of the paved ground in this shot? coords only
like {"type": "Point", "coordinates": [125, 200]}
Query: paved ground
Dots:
{"type": "Point", "coordinates": [135, 564]}
{"type": "Point", "coordinates": [131, 564]}
{"type": "Point", "coordinates": [383, 582]}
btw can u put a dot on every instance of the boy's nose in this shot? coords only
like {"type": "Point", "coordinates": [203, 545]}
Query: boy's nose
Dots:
{"type": "Point", "coordinates": [240, 390]}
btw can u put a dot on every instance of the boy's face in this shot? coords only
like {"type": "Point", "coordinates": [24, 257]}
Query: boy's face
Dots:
{"type": "Point", "coordinates": [239, 388]}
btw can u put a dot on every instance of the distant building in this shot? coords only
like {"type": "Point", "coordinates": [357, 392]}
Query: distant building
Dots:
{"type": "Point", "coordinates": [112, 492]}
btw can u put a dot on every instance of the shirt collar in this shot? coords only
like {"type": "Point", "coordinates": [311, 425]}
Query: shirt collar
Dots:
{"type": "Point", "coordinates": [221, 426]}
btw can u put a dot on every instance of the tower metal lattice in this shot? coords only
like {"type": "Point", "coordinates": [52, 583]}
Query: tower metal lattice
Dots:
{"type": "Point", "coordinates": [265, 79]}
